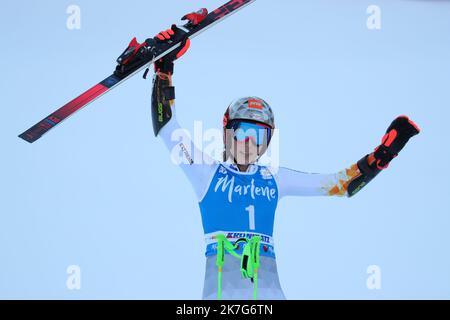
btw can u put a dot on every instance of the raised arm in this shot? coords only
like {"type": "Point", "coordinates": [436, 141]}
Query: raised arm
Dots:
{"type": "Point", "coordinates": [197, 166]}
{"type": "Point", "coordinates": [349, 181]}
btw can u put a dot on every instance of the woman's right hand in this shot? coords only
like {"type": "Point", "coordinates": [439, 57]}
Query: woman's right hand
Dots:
{"type": "Point", "coordinates": [174, 34]}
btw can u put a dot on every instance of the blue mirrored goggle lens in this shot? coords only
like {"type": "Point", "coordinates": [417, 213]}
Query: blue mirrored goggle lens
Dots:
{"type": "Point", "coordinates": [247, 130]}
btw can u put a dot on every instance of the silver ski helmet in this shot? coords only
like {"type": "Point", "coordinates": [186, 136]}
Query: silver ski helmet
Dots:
{"type": "Point", "coordinates": [247, 108]}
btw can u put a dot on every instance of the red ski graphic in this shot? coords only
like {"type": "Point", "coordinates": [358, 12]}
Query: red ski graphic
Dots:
{"type": "Point", "coordinates": [36, 131]}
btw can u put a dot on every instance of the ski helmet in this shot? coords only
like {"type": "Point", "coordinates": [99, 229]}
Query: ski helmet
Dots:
{"type": "Point", "coordinates": [248, 108]}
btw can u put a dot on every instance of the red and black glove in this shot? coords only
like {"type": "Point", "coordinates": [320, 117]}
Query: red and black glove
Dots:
{"type": "Point", "coordinates": [397, 135]}
{"type": "Point", "coordinates": [174, 34]}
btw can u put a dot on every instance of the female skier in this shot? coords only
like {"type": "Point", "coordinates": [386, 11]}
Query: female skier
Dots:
{"type": "Point", "coordinates": [238, 197]}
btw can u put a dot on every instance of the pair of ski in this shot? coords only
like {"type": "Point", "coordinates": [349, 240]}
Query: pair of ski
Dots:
{"type": "Point", "coordinates": [134, 59]}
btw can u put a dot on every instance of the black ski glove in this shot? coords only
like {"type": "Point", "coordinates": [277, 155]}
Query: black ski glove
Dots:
{"type": "Point", "coordinates": [174, 34]}
{"type": "Point", "coordinates": [397, 135]}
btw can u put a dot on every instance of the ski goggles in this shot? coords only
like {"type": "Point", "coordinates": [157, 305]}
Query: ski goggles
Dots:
{"type": "Point", "coordinates": [245, 130]}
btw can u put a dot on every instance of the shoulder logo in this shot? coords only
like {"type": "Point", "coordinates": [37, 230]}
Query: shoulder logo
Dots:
{"type": "Point", "coordinates": [266, 174]}
{"type": "Point", "coordinates": [222, 170]}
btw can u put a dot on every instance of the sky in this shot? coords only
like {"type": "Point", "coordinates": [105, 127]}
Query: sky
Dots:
{"type": "Point", "coordinates": [99, 191]}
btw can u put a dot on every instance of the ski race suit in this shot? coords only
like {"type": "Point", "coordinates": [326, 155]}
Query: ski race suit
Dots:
{"type": "Point", "coordinates": [240, 204]}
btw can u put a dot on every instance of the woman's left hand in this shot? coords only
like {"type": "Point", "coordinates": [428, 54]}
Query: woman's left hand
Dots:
{"type": "Point", "coordinates": [397, 135]}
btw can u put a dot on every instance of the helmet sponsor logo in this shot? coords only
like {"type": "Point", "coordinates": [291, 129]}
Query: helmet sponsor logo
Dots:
{"type": "Point", "coordinates": [255, 104]}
